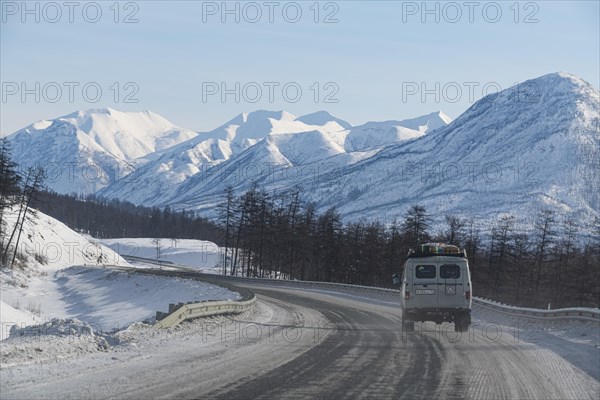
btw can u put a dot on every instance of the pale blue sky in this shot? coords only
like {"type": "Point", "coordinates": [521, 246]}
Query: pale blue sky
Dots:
{"type": "Point", "coordinates": [370, 55]}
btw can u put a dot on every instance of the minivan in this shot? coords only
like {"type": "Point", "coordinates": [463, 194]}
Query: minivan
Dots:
{"type": "Point", "coordinates": [436, 286]}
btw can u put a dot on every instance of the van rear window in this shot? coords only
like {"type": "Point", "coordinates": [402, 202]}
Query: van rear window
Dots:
{"type": "Point", "coordinates": [425, 271]}
{"type": "Point", "coordinates": [450, 271]}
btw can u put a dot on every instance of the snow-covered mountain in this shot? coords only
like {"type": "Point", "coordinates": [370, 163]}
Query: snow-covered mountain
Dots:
{"type": "Point", "coordinates": [247, 129]}
{"type": "Point", "coordinates": [86, 150]}
{"type": "Point", "coordinates": [191, 163]}
{"type": "Point", "coordinates": [266, 147]}
{"type": "Point", "coordinates": [535, 145]}
{"type": "Point", "coordinates": [379, 134]}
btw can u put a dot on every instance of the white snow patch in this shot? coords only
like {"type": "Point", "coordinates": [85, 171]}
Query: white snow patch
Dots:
{"type": "Point", "coordinates": [106, 299]}
{"type": "Point", "coordinates": [202, 255]}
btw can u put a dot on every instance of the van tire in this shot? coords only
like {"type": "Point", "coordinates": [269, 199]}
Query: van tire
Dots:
{"type": "Point", "coordinates": [461, 324]}
{"type": "Point", "coordinates": [408, 326]}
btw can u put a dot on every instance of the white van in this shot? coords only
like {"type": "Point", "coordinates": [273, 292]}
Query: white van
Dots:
{"type": "Point", "coordinates": [436, 286]}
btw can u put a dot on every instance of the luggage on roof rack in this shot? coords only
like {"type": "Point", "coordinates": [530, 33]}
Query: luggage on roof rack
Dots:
{"type": "Point", "coordinates": [437, 249]}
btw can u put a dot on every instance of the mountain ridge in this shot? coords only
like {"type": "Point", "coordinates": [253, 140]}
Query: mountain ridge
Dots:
{"type": "Point", "coordinates": [531, 146]}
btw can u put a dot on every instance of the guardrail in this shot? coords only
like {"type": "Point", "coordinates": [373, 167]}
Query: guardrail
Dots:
{"type": "Point", "coordinates": [584, 314]}
{"type": "Point", "coordinates": [183, 312]}
{"type": "Point", "coordinates": [204, 309]}
{"type": "Point", "coordinates": [147, 260]}
{"type": "Point", "coordinates": [343, 288]}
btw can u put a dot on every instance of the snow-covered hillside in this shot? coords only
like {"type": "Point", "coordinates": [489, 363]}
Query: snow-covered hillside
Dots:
{"type": "Point", "coordinates": [533, 146]}
{"type": "Point", "coordinates": [46, 246]}
{"type": "Point", "coordinates": [87, 150]}
{"type": "Point", "coordinates": [58, 278]}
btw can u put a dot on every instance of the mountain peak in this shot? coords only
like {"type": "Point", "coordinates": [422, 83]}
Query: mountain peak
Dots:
{"type": "Point", "coordinates": [91, 111]}
{"type": "Point", "coordinates": [442, 116]}
{"type": "Point", "coordinates": [107, 137]}
{"type": "Point", "coordinates": [321, 118]}
{"type": "Point", "coordinates": [551, 85]}
{"type": "Point", "coordinates": [262, 115]}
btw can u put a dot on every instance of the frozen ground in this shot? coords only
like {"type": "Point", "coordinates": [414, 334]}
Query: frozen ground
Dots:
{"type": "Point", "coordinates": [201, 255]}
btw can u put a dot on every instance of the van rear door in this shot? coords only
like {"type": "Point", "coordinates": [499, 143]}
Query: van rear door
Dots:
{"type": "Point", "coordinates": [451, 285]}
{"type": "Point", "coordinates": [425, 285]}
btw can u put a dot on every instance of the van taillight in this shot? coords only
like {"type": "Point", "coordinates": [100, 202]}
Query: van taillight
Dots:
{"type": "Point", "coordinates": [407, 295]}
{"type": "Point", "coordinates": [468, 295]}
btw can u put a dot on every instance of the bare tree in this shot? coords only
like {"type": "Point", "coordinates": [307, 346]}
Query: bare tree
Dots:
{"type": "Point", "coordinates": [157, 242]}
{"type": "Point", "coordinates": [9, 189]}
{"type": "Point", "coordinates": [29, 192]}
{"type": "Point", "coordinates": [225, 211]}
{"type": "Point", "coordinates": [545, 233]}
{"type": "Point", "coordinates": [415, 226]}
{"type": "Point", "coordinates": [502, 237]}
{"type": "Point", "coordinates": [456, 230]}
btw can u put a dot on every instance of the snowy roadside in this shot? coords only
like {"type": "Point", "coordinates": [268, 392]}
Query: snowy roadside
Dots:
{"type": "Point", "coordinates": [60, 274]}
{"type": "Point", "coordinates": [576, 341]}
{"type": "Point", "coordinates": [27, 295]}
{"type": "Point", "coordinates": [71, 340]}
{"type": "Point", "coordinates": [141, 362]}
{"type": "Point", "coordinates": [106, 299]}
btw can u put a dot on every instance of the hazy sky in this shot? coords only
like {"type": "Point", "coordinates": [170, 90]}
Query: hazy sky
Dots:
{"type": "Point", "coordinates": [360, 60]}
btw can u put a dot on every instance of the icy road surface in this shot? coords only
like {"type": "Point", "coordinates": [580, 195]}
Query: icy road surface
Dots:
{"type": "Point", "coordinates": [299, 344]}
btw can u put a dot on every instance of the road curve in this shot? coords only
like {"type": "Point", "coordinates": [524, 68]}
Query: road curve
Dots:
{"type": "Point", "coordinates": [319, 346]}
{"type": "Point", "coordinates": [367, 356]}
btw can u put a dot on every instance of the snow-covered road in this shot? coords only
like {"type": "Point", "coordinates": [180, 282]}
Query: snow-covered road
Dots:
{"type": "Point", "coordinates": [299, 344]}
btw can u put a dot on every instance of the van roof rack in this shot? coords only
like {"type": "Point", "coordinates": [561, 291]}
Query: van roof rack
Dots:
{"type": "Point", "coordinates": [437, 249]}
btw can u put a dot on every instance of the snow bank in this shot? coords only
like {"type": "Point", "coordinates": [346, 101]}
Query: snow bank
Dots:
{"type": "Point", "coordinates": [51, 341]}
{"type": "Point", "coordinates": [106, 299]}
{"type": "Point", "coordinates": [53, 281]}
{"type": "Point", "coordinates": [55, 327]}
